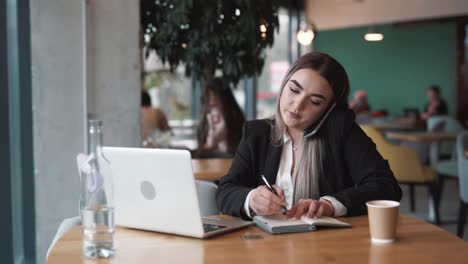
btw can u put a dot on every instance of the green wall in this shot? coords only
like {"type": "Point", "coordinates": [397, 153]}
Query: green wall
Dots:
{"type": "Point", "coordinates": [396, 71]}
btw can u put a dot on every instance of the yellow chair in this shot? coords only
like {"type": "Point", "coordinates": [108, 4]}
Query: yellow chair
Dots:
{"type": "Point", "coordinates": [406, 167]}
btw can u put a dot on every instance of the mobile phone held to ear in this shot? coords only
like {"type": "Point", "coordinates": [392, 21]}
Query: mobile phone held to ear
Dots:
{"type": "Point", "coordinates": [312, 130]}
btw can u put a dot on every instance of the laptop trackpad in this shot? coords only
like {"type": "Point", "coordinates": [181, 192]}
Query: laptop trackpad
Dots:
{"type": "Point", "coordinates": [229, 222]}
{"type": "Point", "coordinates": [217, 225]}
{"type": "Point", "coordinates": [210, 227]}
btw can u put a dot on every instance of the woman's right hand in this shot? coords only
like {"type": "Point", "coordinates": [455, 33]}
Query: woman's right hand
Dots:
{"type": "Point", "coordinates": [264, 202]}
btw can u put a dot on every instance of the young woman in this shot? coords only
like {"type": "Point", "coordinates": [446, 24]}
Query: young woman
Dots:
{"type": "Point", "coordinates": [320, 161]}
{"type": "Point", "coordinates": [220, 128]}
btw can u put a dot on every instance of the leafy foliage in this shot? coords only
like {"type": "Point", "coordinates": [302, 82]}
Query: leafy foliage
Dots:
{"type": "Point", "coordinates": [210, 35]}
{"type": "Point", "coordinates": [156, 78]}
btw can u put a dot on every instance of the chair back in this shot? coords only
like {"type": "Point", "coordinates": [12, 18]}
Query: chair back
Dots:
{"type": "Point", "coordinates": [452, 125]}
{"type": "Point", "coordinates": [438, 126]}
{"type": "Point", "coordinates": [404, 161]}
{"type": "Point", "coordinates": [462, 146]}
{"type": "Point", "coordinates": [206, 192]}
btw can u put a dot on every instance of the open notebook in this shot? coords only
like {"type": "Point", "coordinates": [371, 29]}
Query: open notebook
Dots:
{"type": "Point", "coordinates": [279, 224]}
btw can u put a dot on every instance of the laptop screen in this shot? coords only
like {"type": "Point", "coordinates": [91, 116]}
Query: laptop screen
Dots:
{"type": "Point", "coordinates": [155, 190]}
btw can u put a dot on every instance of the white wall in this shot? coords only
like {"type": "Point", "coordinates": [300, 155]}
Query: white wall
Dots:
{"type": "Point", "coordinates": [334, 14]}
{"type": "Point", "coordinates": [59, 98]}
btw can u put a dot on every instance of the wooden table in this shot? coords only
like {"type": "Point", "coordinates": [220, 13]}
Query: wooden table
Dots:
{"type": "Point", "coordinates": [398, 124]}
{"type": "Point", "coordinates": [417, 242]}
{"type": "Point", "coordinates": [422, 136]}
{"type": "Point", "coordinates": [391, 126]}
{"type": "Point", "coordinates": [434, 138]}
{"type": "Point", "coordinates": [210, 169]}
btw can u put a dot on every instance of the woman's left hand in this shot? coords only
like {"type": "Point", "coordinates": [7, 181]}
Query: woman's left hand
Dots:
{"type": "Point", "coordinates": [311, 208]}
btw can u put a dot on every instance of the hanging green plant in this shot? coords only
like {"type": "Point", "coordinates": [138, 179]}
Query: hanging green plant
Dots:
{"type": "Point", "coordinates": [154, 79]}
{"type": "Point", "coordinates": [209, 35]}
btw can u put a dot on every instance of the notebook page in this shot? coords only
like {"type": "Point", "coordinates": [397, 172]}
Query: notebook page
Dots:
{"type": "Point", "coordinates": [324, 221]}
{"type": "Point", "coordinates": [279, 220]}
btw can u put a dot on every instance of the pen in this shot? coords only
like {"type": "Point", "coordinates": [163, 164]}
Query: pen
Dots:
{"type": "Point", "coordinates": [273, 191]}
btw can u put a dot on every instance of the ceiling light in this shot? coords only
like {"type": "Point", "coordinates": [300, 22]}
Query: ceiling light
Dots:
{"type": "Point", "coordinates": [373, 36]}
{"type": "Point", "coordinates": [305, 36]}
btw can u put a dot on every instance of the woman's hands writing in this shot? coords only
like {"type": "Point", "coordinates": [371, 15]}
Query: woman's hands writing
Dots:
{"type": "Point", "coordinates": [264, 202]}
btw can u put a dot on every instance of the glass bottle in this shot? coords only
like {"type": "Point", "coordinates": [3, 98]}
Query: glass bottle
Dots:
{"type": "Point", "coordinates": [96, 201]}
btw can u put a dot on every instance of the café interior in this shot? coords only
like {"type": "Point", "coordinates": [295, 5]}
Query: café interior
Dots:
{"type": "Point", "coordinates": [143, 69]}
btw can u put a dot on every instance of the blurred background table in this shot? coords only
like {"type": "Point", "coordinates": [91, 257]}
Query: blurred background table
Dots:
{"type": "Point", "coordinates": [211, 169]}
{"type": "Point", "coordinates": [434, 138]}
{"type": "Point", "coordinates": [397, 124]}
{"type": "Point", "coordinates": [422, 136]}
{"type": "Point", "coordinates": [391, 126]}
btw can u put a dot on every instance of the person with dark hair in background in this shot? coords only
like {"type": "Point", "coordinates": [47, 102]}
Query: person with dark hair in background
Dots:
{"type": "Point", "coordinates": [436, 104]}
{"type": "Point", "coordinates": [154, 127]}
{"type": "Point", "coordinates": [220, 128]}
{"type": "Point", "coordinates": [318, 158]}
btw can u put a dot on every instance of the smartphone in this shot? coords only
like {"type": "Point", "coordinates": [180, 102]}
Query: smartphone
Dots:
{"type": "Point", "coordinates": [314, 128]}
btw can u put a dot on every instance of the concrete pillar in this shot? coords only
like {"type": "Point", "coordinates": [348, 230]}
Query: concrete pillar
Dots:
{"type": "Point", "coordinates": [113, 65]}
{"type": "Point", "coordinates": [60, 100]}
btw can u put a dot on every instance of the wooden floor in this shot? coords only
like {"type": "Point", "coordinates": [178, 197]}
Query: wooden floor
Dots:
{"type": "Point", "coordinates": [448, 208]}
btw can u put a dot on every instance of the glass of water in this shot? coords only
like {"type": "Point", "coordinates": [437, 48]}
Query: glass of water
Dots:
{"type": "Point", "coordinates": [98, 232]}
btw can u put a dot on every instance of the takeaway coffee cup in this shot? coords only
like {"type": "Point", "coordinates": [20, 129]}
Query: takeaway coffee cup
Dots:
{"type": "Point", "coordinates": [383, 220]}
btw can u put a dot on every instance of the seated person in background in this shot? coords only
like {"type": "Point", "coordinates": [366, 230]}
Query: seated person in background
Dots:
{"type": "Point", "coordinates": [332, 172]}
{"type": "Point", "coordinates": [436, 104]}
{"type": "Point", "coordinates": [359, 103]}
{"type": "Point", "coordinates": [154, 127]}
{"type": "Point", "coordinates": [220, 128]}
{"type": "Point", "coordinates": [380, 113]}
{"type": "Point", "coordinates": [361, 107]}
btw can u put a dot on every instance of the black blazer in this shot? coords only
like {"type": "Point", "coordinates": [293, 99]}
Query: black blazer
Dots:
{"type": "Point", "coordinates": [354, 172]}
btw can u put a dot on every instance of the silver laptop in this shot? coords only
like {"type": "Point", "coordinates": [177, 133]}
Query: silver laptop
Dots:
{"type": "Point", "coordinates": [154, 189]}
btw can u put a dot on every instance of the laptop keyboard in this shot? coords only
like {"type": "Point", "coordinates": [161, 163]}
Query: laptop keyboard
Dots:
{"type": "Point", "coordinates": [210, 227]}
